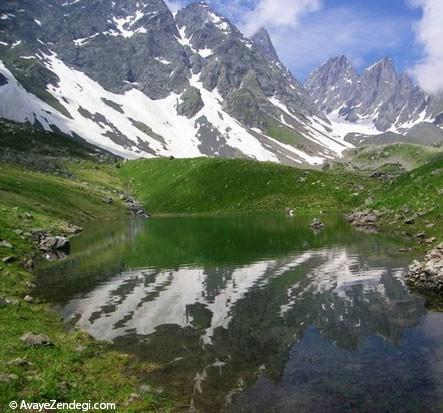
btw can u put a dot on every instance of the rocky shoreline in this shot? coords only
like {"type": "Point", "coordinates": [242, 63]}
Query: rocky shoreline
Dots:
{"type": "Point", "coordinates": [427, 274]}
{"type": "Point", "coordinates": [366, 220]}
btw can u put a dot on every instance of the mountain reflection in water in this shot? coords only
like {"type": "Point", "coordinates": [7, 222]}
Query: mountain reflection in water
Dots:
{"type": "Point", "coordinates": [256, 314]}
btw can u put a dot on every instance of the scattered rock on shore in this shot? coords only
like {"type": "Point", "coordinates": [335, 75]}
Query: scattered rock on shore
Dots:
{"type": "Point", "coordinates": [48, 244]}
{"type": "Point", "coordinates": [20, 362]}
{"type": "Point", "coordinates": [74, 229]}
{"type": "Point", "coordinates": [53, 247]}
{"type": "Point", "coordinates": [9, 260]}
{"type": "Point", "coordinates": [381, 176]}
{"type": "Point", "coordinates": [28, 298]}
{"type": "Point", "coordinates": [364, 219]}
{"type": "Point", "coordinates": [7, 378]}
{"type": "Point", "coordinates": [5, 244]}
{"type": "Point", "coordinates": [428, 274]}
{"type": "Point", "coordinates": [135, 207]}
{"type": "Point", "coordinates": [32, 339]}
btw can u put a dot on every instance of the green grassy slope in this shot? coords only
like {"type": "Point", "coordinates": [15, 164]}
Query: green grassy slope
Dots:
{"type": "Point", "coordinates": [52, 197]}
{"type": "Point", "coordinates": [48, 182]}
{"type": "Point", "coordinates": [392, 158]}
{"type": "Point", "coordinates": [208, 185]}
{"type": "Point", "coordinates": [417, 194]}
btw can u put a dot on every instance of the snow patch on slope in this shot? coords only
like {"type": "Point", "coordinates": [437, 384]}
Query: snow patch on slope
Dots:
{"type": "Point", "coordinates": [235, 134]}
{"type": "Point", "coordinates": [101, 124]}
{"type": "Point", "coordinates": [20, 106]}
{"type": "Point", "coordinates": [341, 127]}
{"type": "Point", "coordinates": [317, 130]}
{"type": "Point", "coordinates": [133, 125]}
{"type": "Point", "coordinates": [125, 24]}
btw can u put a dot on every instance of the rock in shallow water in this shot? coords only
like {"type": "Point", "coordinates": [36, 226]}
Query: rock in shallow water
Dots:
{"type": "Point", "coordinates": [317, 224]}
{"type": "Point", "coordinates": [54, 243]}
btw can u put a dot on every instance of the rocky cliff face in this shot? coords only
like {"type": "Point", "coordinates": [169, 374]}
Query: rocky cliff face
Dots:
{"type": "Point", "coordinates": [388, 100]}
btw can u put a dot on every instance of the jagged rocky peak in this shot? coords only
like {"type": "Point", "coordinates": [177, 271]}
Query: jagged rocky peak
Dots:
{"type": "Point", "coordinates": [263, 42]}
{"type": "Point", "coordinates": [381, 76]}
{"type": "Point", "coordinates": [336, 68]}
{"type": "Point", "coordinates": [202, 29]}
{"type": "Point", "coordinates": [379, 94]}
{"type": "Point", "coordinates": [332, 84]}
{"type": "Point", "coordinates": [231, 63]}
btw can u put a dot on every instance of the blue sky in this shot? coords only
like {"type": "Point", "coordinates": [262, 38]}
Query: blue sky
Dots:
{"type": "Point", "coordinates": [363, 30]}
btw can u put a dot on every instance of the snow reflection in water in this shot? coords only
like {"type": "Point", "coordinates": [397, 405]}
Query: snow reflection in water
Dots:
{"type": "Point", "coordinates": [230, 334]}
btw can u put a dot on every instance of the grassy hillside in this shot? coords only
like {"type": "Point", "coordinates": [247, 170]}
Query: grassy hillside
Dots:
{"type": "Point", "coordinates": [207, 185]}
{"type": "Point", "coordinates": [417, 194]}
{"type": "Point", "coordinates": [48, 182]}
{"type": "Point", "coordinates": [52, 197]}
{"type": "Point", "coordinates": [393, 158]}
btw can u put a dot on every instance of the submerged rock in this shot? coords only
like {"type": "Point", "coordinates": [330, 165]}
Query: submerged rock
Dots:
{"type": "Point", "coordinates": [317, 224]}
{"type": "Point", "coordinates": [428, 274]}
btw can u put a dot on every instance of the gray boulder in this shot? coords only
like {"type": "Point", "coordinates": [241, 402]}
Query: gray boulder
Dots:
{"type": "Point", "coordinates": [54, 243]}
{"type": "Point", "coordinates": [427, 274]}
{"type": "Point", "coordinates": [32, 339]}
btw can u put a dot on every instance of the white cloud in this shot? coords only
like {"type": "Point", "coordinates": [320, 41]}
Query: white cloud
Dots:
{"type": "Point", "coordinates": [361, 35]}
{"type": "Point", "coordinates": [282, 13]}
{"type": "Point", "coordinates": [429, 71]}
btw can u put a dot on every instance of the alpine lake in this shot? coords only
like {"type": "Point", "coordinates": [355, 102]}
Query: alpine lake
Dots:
{"type": "Point", "coordinates": [256, 314]}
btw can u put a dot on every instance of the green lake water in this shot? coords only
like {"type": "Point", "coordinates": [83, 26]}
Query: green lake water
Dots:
{"type": "Point", "coordinates": [256, 313]}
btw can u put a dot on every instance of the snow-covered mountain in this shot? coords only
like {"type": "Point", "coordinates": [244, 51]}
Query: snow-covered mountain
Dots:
{"type": "Point", "coordinates": [380, 101]}
{"type": "Point", "coordinates": [131, 77]}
